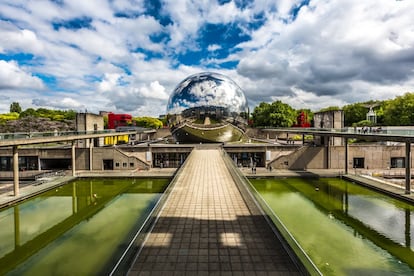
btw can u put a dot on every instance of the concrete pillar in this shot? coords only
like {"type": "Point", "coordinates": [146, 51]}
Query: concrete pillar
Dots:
{"type": "Point", "coordinates": [16, 170]}
{"type": "Point", "coordinates": [73, 158]}
{"type": "Point", "coordinates": [346, 155]}
{"type": "Point", "coordinates": [90, 154]}
{"type": "Point", "coordinates": [407, 168]}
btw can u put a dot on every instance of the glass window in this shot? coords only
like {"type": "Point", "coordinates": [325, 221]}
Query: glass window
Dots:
{"type": "Point", "coordinates": [397, 162]}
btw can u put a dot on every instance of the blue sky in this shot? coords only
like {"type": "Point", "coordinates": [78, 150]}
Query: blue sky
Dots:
{"type": "Point", "coordinates": [128, 55]}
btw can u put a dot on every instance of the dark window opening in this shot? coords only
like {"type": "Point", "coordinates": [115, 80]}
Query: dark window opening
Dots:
{"type": "Point", "coordinates": [397, 162]}
{"type": "Point", "coordinates": [26, 163]}
{"type": "Point", "coordinates": [55, 164]}
{"type": "Point", "coordinates": [108, 164]}
{"type": "Point", "coordinates": [359, 162]}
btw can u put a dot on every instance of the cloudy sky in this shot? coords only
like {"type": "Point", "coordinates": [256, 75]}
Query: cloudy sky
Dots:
{"type": "Point", "coordinates": [129, 55]}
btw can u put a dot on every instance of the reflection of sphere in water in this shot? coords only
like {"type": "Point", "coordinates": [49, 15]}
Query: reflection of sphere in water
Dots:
{"type": "Point", "coordinates": [207, 107]}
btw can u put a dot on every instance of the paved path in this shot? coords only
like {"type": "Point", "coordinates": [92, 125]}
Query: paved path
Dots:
{"type": "Point", "coordinates": [206, 228]}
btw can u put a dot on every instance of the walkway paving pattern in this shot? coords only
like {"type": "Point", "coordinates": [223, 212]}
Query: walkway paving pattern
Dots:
{"type": "Point", "coordinates": [206, 228]}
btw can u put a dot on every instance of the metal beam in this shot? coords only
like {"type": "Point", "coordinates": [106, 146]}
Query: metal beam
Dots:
{"type": "Point", "coordinates": [379, 136]}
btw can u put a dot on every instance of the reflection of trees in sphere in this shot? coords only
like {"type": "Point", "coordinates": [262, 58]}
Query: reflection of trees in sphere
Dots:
{"type": "Point", "coordinates": [204, 103]}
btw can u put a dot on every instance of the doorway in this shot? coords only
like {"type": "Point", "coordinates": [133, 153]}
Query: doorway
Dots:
{"type": "Point", "coordinates": [108, 164]}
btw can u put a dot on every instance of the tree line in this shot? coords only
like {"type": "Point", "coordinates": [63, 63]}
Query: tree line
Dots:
{"type": "Point", "coordinates": [394, 112]}
{"type": "Point", "coordinates": [17, 113]}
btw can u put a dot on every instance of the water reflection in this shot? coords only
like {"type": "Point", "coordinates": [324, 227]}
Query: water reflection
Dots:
{"type": "Point", "coordinates": [72, 222]}
{"type": "Point", "coordinates": [331, 209]}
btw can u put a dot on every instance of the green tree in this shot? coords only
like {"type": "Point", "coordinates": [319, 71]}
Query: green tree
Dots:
{"type": "Point", "coordinates": [9, 116]}
{"type": "Point", "coordinates": [28, 112]}
{"type": "Point", "coordinates": [330, 108]}
{"type": "Point", "coordinates": [147, 122]}
{"type": "Point", "coordinates": [70, 115]}
{"type": "Point", "coordinates": [354, 113]}
{"type": "Point", "coordinates": [363, 123]}
{"type": "Point", "coordinates": [400, 111]}
{"type": "Point", "coordinates": [276, 114]}
{"type": "Point", "coordinates": [15, 107]}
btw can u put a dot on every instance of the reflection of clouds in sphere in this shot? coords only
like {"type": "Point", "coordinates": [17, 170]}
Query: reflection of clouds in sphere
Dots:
{"type": "Point", "coordinates": [207, 89]}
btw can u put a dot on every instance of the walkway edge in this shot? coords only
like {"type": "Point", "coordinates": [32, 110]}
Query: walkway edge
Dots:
{"type": "Point", "coordinates": [380, 187]}
{"type": "Point", "coordinates": [32, 191]}
{"type": "Point", "coordinates": [304, 264]}
{"type": "Point", "coordinates": [128, 258]}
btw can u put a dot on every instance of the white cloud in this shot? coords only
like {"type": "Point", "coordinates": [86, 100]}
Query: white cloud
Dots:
{"type": "Point", "coordinates": [154, 91]}
{"type": "Point", "coordinates": [64, 103]}
{"type": "Point", "coordinates": [12, 76]}
{"type": "Point", "coordinates": [332, 53]}
{"type": "Point", "coordinates": [15, 39]}
{"type": "Point", "coordinates": [213, 47]}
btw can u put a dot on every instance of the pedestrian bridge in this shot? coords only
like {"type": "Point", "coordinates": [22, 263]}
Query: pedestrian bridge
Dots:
{"type": "Point", "coordinates": [207, 226]}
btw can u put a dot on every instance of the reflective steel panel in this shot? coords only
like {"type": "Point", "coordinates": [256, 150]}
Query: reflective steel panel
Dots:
{"type": "Point", "coordinates": [207, 107]}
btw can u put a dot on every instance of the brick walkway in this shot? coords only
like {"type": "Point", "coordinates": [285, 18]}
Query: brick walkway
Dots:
{"type": "Point", "coordinates": [206, 228]}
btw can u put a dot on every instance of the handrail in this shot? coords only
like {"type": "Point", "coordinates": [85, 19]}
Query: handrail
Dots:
{"type": "Point", "coordinates": [295, 251]}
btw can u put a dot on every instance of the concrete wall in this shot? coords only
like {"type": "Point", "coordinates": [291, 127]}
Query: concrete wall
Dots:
{"type": "Point", "coordinates": [121, 161]}
{"type": "Point", "coordinates": [376, 156]}
{"type": "Point", "coordinates": [329, 119]}
{"type": "Point", "coordinates": [89, 122]}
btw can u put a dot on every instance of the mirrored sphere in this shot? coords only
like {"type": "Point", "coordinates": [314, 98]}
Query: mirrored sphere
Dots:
{"type": "Point", "coordinates": [207, 107]}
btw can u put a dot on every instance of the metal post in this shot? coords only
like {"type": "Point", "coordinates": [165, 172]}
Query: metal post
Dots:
{"type": "Point", "coordinates": [407, 168]}
{"type": "Point", "coordinates": [73, 158]}
{"type": "Point", "coordinates": [346, 155]}
{"type": "Point", "coordinates": [16, 170]}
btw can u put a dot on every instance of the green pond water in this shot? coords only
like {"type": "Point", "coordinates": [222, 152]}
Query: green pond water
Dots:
{"type": "Point", "coordinates": [81, 228]}
{"type": "Point", "coordinates": [344, 228]}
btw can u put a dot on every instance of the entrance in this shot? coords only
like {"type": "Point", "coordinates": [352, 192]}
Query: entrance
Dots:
{"type": "Point", "coordinates": [108, 164]}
